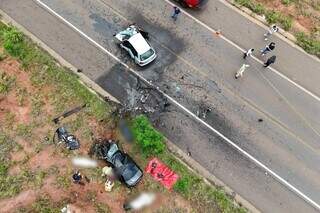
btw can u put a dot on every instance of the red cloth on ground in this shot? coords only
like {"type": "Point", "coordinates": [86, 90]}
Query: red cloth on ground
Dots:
{"type": "Point", "coordinates": [161, 173]}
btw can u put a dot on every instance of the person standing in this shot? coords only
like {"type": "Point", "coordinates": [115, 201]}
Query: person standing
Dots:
{"type": "Point", "coordinates": [272, 29]}
{"type": "Point", "coordinates": [268, 48]}
{"type": "Point", "coordinates": [176, 12]}
{"type": "Point", "coordinates": [270, 60]}
{"type": "Point", "coordinates": [248, 53]}
{"type": "Point", "coordinates": [240, 72]}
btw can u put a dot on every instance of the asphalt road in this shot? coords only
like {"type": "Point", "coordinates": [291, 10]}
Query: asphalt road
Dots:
{"type": "Point", "coordinates": [197, 69]}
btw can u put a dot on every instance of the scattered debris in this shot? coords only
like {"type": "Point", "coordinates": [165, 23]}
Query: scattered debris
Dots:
{"type": "Point", "coordinates": [203, 111]}
{"type": "Point", "coordinates": [107, 171]}
{"type": "Point", "coordinates": [69, 140]}
{"type": "Point", "coordinates": [108, 185]}
{"type": "Point", "coordinates": [68, 113]}
{"type": "Point", "coordinates": [143, 200]}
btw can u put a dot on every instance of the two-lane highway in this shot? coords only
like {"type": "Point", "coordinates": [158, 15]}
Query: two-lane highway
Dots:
{"type": "Point", "coordinates": [202, 66]}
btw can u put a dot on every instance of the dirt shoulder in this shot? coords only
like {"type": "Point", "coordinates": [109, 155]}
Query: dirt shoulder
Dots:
{"type": "Point", "coordinates": [300, 18]}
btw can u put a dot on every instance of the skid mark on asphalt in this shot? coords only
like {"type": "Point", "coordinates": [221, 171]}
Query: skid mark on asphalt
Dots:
{"type": "Point", "coordinates": [141, 21]}
{"type": "Point", "coordinates": [275, 175]}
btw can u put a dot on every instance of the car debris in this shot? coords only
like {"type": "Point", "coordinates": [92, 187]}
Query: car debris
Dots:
{"type": "Point", "coordinates": [134, 40]}
{"type": "Point", "coordinates": [203, 111]}
{"type": "Point", "coordinates": [68, 113]}
{"type": "Point", "coordinates": [70, 141]}
{"type": "Point", "coordinates": [108, 185]}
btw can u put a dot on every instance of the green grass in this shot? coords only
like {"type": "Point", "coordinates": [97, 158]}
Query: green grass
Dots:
{"type": "Point", "coordinates": [6, 82]}
{"type": "Point", "coordinates": [24, 130]}
{"type": "Point", "coordinates": [45, 71]}
{"type": "Point", "coordinates": [44, 205]}
{"type": "Point", "coordinates": [63, 181]}
{"type": "Point", "coordinates": [150, 141]}
{"type": "Point", "coordinates": [309, 44]}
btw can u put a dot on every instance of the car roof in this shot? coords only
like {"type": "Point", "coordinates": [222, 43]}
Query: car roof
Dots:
{"type": "Point", "coordinates": [139, 43]}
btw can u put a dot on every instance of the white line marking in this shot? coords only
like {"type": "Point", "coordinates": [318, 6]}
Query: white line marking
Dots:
{"type": "Point", "coordinates": [276, 176]}
{"type": "Point", "coordinates": [243, 50]}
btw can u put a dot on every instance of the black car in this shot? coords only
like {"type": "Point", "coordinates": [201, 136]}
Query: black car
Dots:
{"type": "Point", "coordinates": [124, 166]}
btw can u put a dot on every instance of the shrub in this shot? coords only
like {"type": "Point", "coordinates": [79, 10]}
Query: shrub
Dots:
{"type": "Point", "coordinates": [13, 40]}
{"type": "Point", "coordinates": [309, 44]}
{"type": "Point", "coordinates": [149, 140]}
{"type": "Point", "coordinates": [182, 185]}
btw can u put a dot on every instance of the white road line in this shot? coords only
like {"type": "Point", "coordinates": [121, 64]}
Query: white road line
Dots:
{"type": "Point", "coordinates": [275, 175]}
{"type": "Point", "coordinates": [243, 50]}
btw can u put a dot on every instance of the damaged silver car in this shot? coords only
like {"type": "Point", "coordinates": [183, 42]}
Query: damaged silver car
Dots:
{"type": "Point", "coordinates": [134, 41]}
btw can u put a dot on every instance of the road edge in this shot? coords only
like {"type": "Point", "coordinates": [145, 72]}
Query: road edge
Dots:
{"type": "Point", "coordinates": [259, 20]}
{"type": "Point", "coordinates": [182, 157]}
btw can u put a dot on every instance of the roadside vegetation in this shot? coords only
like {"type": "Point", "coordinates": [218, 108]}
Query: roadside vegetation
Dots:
{"type": "Point", "coordinates": [34, 89]}
{"type": "Point", "coordinates": [300, 17]}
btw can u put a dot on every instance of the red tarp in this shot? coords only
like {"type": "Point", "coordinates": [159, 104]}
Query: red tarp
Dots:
{"type": "Point", "coordinates": [161, 173]}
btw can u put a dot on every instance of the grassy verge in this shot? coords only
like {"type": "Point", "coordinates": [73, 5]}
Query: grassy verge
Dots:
{"type": "Point", "coordinates": [309, 43]}
{"type": "Point", "coordinates": [190, 185]}
{"type": "Point", "coordinates": [272, 17]}
{"type": "Point", "coordinates": [45, 71]}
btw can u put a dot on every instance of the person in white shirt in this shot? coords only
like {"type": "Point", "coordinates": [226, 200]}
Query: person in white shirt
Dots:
{"type": "Point", "coordinates": [272, 29]}
{"type": "Point", "coordinates": [248, 53]}
{"type": "Point", "coordinates": [240, 72]}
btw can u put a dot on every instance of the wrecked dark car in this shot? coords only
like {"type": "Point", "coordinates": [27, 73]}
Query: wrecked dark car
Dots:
{"type": "Point", "coordinates": [124, 167]}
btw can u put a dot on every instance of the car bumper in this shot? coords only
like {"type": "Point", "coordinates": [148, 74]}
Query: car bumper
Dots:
{"type": "Point", "coordinates": [148, 61]}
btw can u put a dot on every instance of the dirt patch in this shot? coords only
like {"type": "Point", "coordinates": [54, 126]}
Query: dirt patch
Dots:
{"type": "Point", "coordinates": [46, 158]}
{"type": "Point", "coordinates": [24, 198]}
{"type": "Point", "coordinates": [306, 14]}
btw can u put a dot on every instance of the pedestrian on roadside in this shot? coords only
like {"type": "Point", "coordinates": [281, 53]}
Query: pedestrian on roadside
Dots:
{"type": "Point", "coordinates": [240, 72]}
{"type": "Point", "coordinates": [268, 48]}
{"type": "Point", "coordinates": [176, 12]}
{"type": "Point", "coordinates": [272, 29]}
{"type": "Point", "coordinates": [248, 53]}
{"type": "Point", "coordinates": [270, 60]}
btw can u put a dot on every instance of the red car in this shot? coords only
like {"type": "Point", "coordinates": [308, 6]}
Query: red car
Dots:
{"type": "Point", "coordinates": [192, 3]}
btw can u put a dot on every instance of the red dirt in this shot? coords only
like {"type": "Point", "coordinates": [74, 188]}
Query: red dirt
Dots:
{"type": "Point", "coordinates": [305, 16]}
{"type": "Point", "coordinates": [45, 159]}
{"type": "Point", "coordinates": [24, 198]}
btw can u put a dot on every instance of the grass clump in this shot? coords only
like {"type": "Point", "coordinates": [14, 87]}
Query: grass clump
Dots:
{"type": "Point", "coordinates": [63, 181]}
{"type": "Point", "coordinates": [24, 130]}
{"type": "Point", "coordinates": [6, 82]}
{"type": "Point", "coordinates": [308, 43]}
{"type": "Point", "coordinates": [45, 71]}
{"type": "Point", "coordinates": [150, 141]}
{"type": "Point", "coordinates": [45, 205]}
